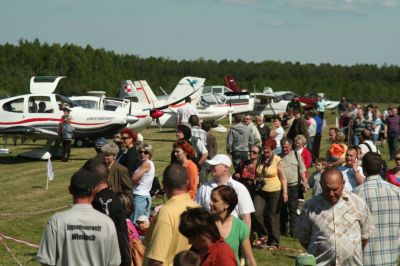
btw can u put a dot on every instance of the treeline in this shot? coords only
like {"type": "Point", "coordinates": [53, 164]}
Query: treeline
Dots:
{"type": "Point", "coordinates": [97, 69]}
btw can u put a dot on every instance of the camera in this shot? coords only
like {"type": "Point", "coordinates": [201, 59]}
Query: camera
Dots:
{"type": "Point", "coordinates": [259, 183]}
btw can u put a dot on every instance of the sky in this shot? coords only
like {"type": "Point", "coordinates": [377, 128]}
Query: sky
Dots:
{"type": "Point", "coordinates": [344, 32]}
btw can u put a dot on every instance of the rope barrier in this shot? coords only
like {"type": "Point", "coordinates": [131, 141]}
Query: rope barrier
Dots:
{"type": "Point", "coordinates": [19, 241]}
{"type": "Point", "coordinates": [19, 214]}
{"type": "Point", "coordinates": [10, 251]}
{"type": "Point", "coordinates": [32, 213]}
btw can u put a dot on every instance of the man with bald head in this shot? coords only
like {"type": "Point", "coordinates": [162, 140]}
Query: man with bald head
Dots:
{"type": "Point", "coordinates": [335, 225]}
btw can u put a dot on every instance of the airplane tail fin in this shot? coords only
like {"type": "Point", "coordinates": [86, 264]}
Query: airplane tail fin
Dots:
{"type": "Point", "coordinates": [187, 86]}
{"type": "Point", "coordinates": [127, 89]}
{"type": "Point", "coordinates": [230, 82]}
{"type": "Point", "coordinates": [145, 93]}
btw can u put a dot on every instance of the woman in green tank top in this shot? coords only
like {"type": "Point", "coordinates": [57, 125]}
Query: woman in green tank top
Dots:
{"type": "Point", "coordinates": [234, 231]}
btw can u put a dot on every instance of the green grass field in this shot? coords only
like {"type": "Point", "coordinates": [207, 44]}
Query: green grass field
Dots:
{"type": "Point", "coordinates": [23, 191]}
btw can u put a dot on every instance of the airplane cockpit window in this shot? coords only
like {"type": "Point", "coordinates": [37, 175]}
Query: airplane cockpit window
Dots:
{"type": "Point", "coordinates": [44, 104]}
{"type": "Point", "coordinates": [15, 106]}
{"type": "Point", "coordinates": [112, 105]}
{"type": "Point", "coordinates": [206, 90]}
{"type": "Point", "coordinates": [221, 99]}
{"type": "Point", "coordinates": [32, 105]}
{"type": "Point", "coordinates": [226, 89]}
{"type": "Point", "coordinates": [217, 90]}
{"type": "Point", "coordinates": [86, 104]}
{"type": "Point", "coordinates": [209, 99]}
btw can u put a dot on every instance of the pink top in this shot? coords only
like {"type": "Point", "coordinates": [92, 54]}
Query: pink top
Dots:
{"type": "Point", "coordinates": [132, 232]}
{"type": "Point", "coordinates": [392, 177]}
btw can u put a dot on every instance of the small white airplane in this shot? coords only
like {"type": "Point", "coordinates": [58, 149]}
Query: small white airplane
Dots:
{"type": "Point", "coordinates": [146, 109]}
{"type": "Point", "coordinates": [38, 114]}
{"type": "Point", "coordinates": [187, 86]}
{"type": "Point", "coordinates": [269, 103]}
{"type": "Point", "coordinates": [220, 97]}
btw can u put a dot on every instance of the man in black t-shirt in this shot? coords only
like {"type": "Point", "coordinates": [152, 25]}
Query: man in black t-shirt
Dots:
{"type": "Point", "coordinates": [107, 202]}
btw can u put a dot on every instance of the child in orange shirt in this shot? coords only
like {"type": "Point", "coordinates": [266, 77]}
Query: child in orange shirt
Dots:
{"type": "Point", "coordinates": [338, 149]}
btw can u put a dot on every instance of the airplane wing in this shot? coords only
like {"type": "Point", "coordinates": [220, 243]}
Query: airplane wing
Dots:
{"type": "Point", "coordinates": [262, 95]}
{"type": "Point", "coordinates": [167, 105]}
{"type": "Point", "coordinates": [29, 132]}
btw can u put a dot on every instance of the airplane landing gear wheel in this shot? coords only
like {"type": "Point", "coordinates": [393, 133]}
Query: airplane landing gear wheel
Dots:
{"type": "Point", "coordinates": [79, 143]}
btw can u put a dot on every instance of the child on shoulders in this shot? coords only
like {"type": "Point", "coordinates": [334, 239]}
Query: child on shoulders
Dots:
{"type": "Point", "coordinates": [338, 149]}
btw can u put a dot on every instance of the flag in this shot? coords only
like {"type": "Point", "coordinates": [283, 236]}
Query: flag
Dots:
{"type": "Point", "coordinates": [50, 174]}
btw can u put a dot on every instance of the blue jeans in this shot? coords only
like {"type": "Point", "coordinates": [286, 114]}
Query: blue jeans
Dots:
{"type": "Point", "coordinates": [310, 143]}
{"type": "Point", "coordinates": [141, 206]}
{"type": "Point", "coordinates": [238, 157]}
{"type": "Point", "coordinates": [356, 140]}
{"type": "Point", "coordinates": [278, 150]}
{"type": "Point", "coordinates": [374, 138]}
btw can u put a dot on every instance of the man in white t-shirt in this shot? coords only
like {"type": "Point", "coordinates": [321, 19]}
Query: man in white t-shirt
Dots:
{"type": "Point", "coordinates": [183, 114]}
{"type": "Point", "coordinates": [352, 173]}
{"type": "Point", "coordinates": [220, 165]}
{"type": "Point", "coordinates": [80, 235]}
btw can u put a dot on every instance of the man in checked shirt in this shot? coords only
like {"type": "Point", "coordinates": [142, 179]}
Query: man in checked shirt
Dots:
{"type": "Point", "coordinates": [335, 225]}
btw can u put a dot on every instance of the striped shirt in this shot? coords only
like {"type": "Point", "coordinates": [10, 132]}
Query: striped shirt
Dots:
{"type": "Point", "coordinates": [334, 233]}
{"type": "Point", "coordinates": [383, 200]}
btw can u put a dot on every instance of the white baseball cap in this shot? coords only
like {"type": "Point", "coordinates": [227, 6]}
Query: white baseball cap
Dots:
{"type": "Point", "coordinates": [220, 159]}
{"type": "Point", "coordinates": [143, 218]}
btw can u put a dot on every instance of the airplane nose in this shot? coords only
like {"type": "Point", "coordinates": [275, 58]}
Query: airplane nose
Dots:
{"type": "Point", "coordinates": [156, 113]}
{"type": "Point", "coordinates": [130, 119]}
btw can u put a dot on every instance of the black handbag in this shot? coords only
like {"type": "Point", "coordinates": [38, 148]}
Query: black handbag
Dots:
{"type": "Point", "coordinates": [299, 183]}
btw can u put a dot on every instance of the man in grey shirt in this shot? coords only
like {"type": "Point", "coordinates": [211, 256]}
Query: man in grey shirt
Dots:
{"type": "Point", "coordinates": [239, 141]}
{"type": "Point", "coordinates": [80, 235]}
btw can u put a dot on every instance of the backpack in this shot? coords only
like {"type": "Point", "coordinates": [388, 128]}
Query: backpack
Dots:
{"type": "Point", "coordinates": [156, 190]}
{"type": "Point", "coordinates": [193, 141]}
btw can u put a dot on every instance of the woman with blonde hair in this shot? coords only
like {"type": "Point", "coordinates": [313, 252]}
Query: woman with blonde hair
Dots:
{"type": "Point", "coordinates": [247, 170]}
{"type": "Point", "coordinates": [119, 175]}
{"type": "Point", "coordinates": [300, 142]}
{"type": "Point", "coordinates": [142, 181]}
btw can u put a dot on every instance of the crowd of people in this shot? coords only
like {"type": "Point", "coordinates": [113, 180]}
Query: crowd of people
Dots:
{"type": "Point", "coordinates": [213, 216]}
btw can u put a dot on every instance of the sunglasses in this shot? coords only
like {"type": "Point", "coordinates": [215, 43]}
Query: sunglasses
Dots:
{"type": "Point", "coordinates": [144, 152]}
{"type": "Point", "coordinates": [125, 138]}
{"type": "Point", "coordinates": [253, 152]}
{"type": "Point", "coordinates": [397, 159]}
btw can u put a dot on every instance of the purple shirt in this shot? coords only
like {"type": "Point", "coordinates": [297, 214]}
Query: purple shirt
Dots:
{"type": "Point", "coordinates": [393, 123]}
